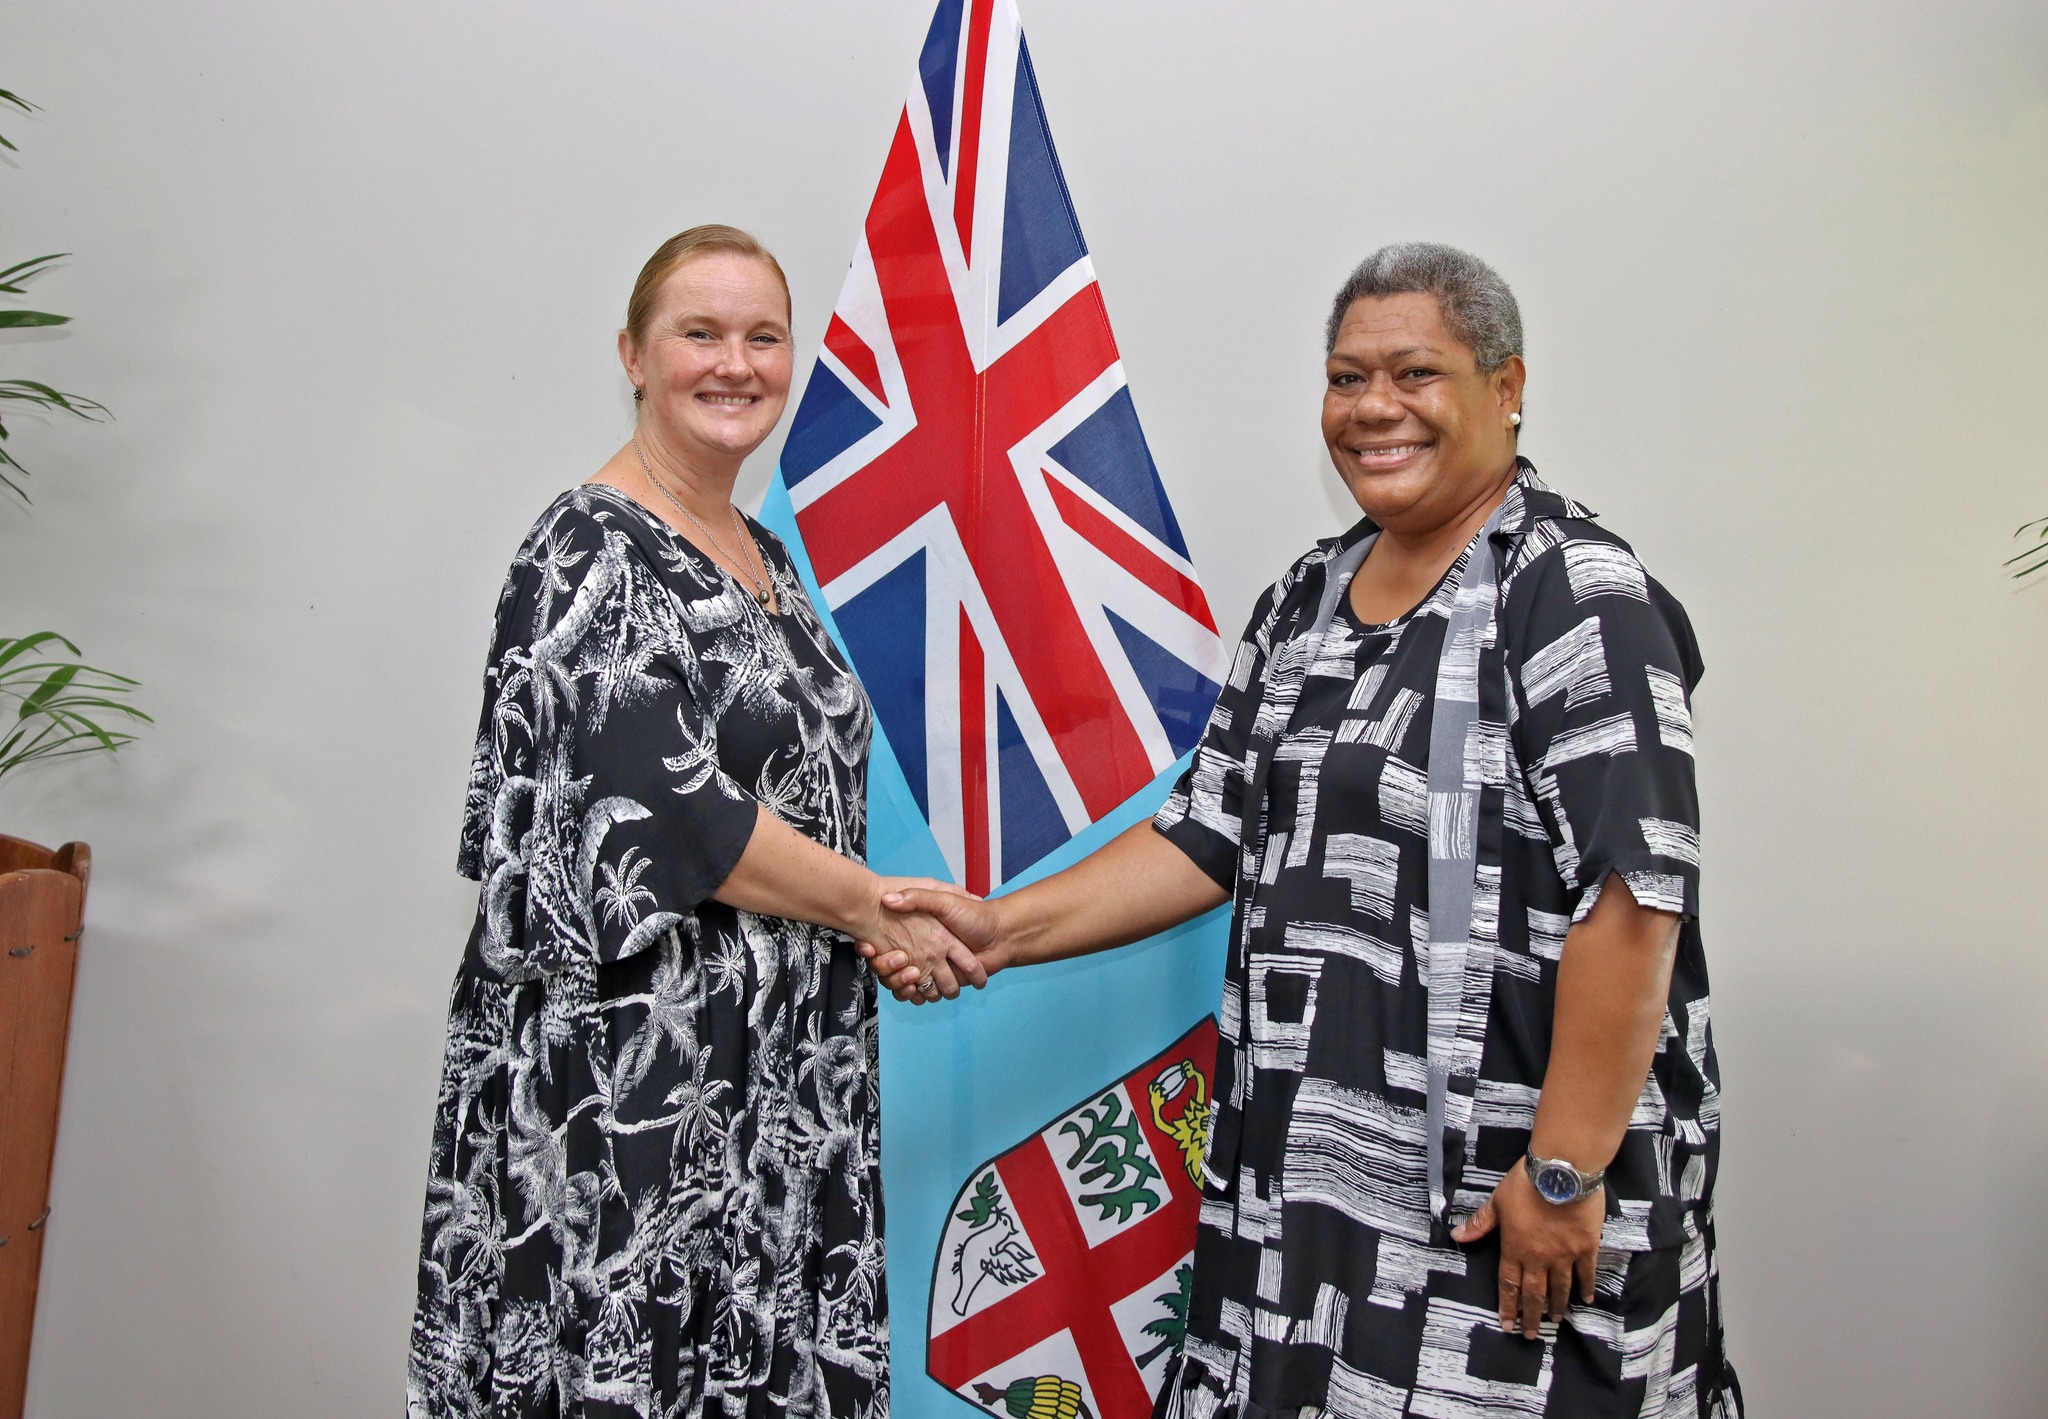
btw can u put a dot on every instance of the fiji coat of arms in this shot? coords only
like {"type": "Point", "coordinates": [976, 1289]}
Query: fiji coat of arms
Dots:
{"type": "Point", "coordinates": [1060, 1290]}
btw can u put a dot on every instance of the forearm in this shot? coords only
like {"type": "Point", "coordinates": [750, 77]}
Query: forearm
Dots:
{"type": "Point", "coordinates": [1612, 983]}
{"type": "Point", "coordinates": [1135, 886]}
{"type": "Point", "coordinates": [783, 873]}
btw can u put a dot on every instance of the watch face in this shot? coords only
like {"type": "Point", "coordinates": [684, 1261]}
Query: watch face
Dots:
{"type": "Point", "coordinates": [1557, 1184]}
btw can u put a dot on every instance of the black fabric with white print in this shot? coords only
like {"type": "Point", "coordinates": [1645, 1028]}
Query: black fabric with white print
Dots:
{"type": "Point", "coordinates": [655, 1187]}
{"type": "Point", "coordinates": [1324, 1279]}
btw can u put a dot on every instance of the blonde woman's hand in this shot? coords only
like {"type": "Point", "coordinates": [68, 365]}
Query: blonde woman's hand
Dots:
{"type": "Point", "coordinates": [964, 917]}
{"type": "Point", "coordinates": [927, 962]}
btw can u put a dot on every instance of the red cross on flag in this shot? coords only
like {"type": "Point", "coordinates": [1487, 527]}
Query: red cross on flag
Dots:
{"type": "Point", "coordinates": [1066, 1261]}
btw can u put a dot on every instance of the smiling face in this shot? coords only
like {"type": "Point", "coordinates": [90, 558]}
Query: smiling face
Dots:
{"type": "Point", "coordinates": [1414, 428]}
{"type": "Point", "coordinates": [715, 359]}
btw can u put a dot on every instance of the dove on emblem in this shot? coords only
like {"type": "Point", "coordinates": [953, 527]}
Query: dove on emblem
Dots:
{"type": "Point", "coordinates": [991, 1249]}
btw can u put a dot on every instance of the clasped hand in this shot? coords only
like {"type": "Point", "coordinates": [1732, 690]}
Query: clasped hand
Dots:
{"type": "Point", "coordinates": [944, 935]}
{"type": "Point", "coordinates": [916, 956]}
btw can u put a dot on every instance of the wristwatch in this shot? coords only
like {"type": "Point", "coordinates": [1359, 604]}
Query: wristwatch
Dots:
{"type": "Point", "coordinates": [1558, 1182]}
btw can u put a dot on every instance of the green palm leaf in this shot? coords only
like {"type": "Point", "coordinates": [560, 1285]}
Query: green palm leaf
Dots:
{"type": "Point", "coordinates": [32, 391]}
{"type": "Point", "coordinates": [2036, 556]}
{"type": "Point", "coordinates": [21, 273]}
{"type": "Point", "coordinates": [19, 102]}
{"type": "Point", "coordinates": [61, 707]}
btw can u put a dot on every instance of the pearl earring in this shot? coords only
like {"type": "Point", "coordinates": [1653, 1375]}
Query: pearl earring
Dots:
{"type": "Point", "coordinates": [1514, 421]}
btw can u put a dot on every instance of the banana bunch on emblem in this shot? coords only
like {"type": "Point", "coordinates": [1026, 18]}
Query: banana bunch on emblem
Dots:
{"type": "Point", "coordinates": [1042, 1397]}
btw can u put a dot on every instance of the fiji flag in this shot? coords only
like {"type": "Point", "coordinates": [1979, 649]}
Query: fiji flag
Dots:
{"type": "Point", "coordinates": [969, 488]}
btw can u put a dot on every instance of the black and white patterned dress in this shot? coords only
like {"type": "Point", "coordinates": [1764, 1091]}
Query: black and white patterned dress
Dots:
{"type": "Point", "coordinates": [1325, 1277]}
{"type": "Point", "coordinates": [655, 1187]}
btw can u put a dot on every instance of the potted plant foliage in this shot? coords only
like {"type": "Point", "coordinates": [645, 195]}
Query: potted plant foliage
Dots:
{"type": "Point", "coordinates": [2034, 558]}
{"type": "Point", "coordinates": [52, 705]}
{"type": "Point", "coordinates": [59, 705]}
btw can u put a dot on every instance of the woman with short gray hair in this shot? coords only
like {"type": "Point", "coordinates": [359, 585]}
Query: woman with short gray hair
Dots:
{"type": "Point", "coordinates": [1467, 1101]}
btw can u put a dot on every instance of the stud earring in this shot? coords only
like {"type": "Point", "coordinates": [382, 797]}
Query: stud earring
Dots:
{"type": "Point", "coordinates": [640, 394]}
{"type": "Point", "coordinates": [1514, 421]}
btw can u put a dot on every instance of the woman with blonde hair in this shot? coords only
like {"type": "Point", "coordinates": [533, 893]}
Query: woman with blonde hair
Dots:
{"type": "Point", "coordinates": [655, 1185]}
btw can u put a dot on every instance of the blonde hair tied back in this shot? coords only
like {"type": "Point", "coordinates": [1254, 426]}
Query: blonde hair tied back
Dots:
{"type": "Point", "coordinates": [678, 251]}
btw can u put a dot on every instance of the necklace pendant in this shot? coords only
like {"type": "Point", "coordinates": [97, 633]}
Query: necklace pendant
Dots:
{"type": "Point", "coordinates": [760, 599]}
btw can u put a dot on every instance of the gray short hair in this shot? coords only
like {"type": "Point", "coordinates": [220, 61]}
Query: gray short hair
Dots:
{"type": "Point", "coordinates": [1477, 304]}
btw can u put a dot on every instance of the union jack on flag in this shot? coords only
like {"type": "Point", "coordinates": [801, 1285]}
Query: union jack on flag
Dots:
{"type": "Point", "coordinates": [973, 488]}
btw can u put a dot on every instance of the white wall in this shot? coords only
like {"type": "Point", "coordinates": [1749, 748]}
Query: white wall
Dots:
{"type": "Point", "coordinates": [348, 275]}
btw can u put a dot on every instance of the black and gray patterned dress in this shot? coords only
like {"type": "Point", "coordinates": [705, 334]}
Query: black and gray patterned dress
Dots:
{"type": "Point", "coordinates": [655, 1187]}
{"type": "Point", "coordinates": [1325, 1276]}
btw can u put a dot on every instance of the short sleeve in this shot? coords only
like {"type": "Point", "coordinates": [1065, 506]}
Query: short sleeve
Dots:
{"type": "Point", "coordinates": [1204, 815]}
{"type": "Point", "coordinates": [1603, 664]}
{"type": "Point", "coordinates": [598, 814]}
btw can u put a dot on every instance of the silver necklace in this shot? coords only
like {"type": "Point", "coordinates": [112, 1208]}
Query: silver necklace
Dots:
{"type": "Point", "coordinates": [760, 592]}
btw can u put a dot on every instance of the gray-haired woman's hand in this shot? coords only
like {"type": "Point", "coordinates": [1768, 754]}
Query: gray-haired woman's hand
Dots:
{"type": "Point", "coordinates": [926, 960]}
{"type": "Point", "coordinates": [964, 917]}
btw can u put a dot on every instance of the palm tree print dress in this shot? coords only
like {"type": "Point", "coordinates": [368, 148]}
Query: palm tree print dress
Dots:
{"type": "Point", "coordinates": [655, 1186]}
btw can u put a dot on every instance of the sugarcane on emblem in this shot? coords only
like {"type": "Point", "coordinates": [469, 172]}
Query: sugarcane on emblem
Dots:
{"type": "Point", "coordinates": [1191, 1129]}
{"type": "Point", "coordinates": [1041, 1397]}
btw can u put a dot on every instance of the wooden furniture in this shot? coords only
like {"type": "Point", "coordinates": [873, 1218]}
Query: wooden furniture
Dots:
{"type": "Point", "coordinates": [42, 909]}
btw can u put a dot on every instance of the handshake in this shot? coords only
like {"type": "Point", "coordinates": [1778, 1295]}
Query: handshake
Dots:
{"type": "Point", "coordinates": [927, 939]}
